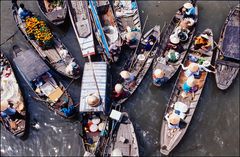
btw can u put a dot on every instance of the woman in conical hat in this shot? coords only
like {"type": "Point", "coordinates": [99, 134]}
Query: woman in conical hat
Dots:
{"type": "Point", "coordinates": [118, 88]}
{"type": "Point", "coordinates": [93, 100]}
{"type": "Point", "coordinates": [173, 120]}
{"type": "Point", "coordinates": [159, 77]}
{"type": "Point", "coordinates": [194, 69]}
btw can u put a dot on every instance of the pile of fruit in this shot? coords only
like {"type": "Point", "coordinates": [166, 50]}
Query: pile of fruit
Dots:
{"type": "Point", "coordinates": [37, 30]}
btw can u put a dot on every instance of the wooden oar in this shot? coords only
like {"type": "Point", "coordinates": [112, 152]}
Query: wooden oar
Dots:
{"type": "Point", "coordinates": [134, 54]}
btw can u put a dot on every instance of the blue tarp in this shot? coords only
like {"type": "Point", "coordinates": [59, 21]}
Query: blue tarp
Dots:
{"type": "Point", "coordinates": [99, 27]}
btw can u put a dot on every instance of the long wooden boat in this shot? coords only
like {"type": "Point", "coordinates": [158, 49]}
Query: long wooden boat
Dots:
{"type": "Point", "coordinates": [10, 92]}
{"type": "Point", "coordinates": [94, 124]}
{"type": "Point", "coordinates": [55, 13]}
{"type": "Point", "coordinates": [57, 56]}
{"type": "Point", "coordinates": [123, 141]}
{"type": "Point", "coordinates": [80, 18]}
{"type": "Point", "coordinates": [161, 60]}
{"type": "Point", "coordinates": [227, 59]}
{"type": "Point", "coordinates": [105, 28]}
{"type": "Point", "coordinates": [43, 83]}
{"type": "Point", "coordinates": [127, 15]}
{"type": "Point", "coordinates": [141, 62]}
{"type": "Point", "coordinates": [169, 138]}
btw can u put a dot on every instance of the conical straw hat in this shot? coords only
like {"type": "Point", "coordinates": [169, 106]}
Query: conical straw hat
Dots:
{"type": "Point", "coordinates": [159, 73]}
{"type": "Point", "coordinates": [191, 81]}
{"type": "Point", "coordinates": [174, 39]}
{"type": "Point", "coordinates": [92, 100]}
{"type": "Point", "coordinates": [193, 67]}
{"type": "Point", "coordinates": [118, 88]}
{"type": "Point", "coordinates": [187, 5]}
{"type": "Point", "coordinates": [174, 119]}
{"type": "Point", "coordinates": [125, 74]}
{"type": "Point", "coordinates": [116, 152]}
{"type": "Point", "coordinates": [4, 105]}
{"type": "Point", "coordinates": [205, 36]}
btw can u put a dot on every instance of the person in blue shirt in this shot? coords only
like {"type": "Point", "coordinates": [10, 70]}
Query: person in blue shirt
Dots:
{"type": "Point", "coordinates": [7, 110]}
{"type": "Point", "coordinates": [159, 78]}
{"type": "Point", "coordinates": [23, 12]}
{"type": "Point", "coordinates": [190, 10]}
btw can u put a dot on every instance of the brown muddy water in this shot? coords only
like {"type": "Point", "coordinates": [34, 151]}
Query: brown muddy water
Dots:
{"type": "Point", "coordinates": [214, 130]}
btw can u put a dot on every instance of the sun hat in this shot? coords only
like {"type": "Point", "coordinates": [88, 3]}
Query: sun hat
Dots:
{"type": "Point", "coordinates": [191, 81]}
{"type": "Point", "coordinates": [174, 119]}
{"type": "Point", "coordinates": [125, 74]}
{"type": "Point", "coordinates": [101, 126]}
{"type": "Point", "coordinates": [180, 107]}
{"type": "Point", "coordinates": [93, 128]}
{"type": "Point", "coordinates": [205, 36]}
{"type": "Point", "coordinates": [141, 57]}
{"type": "Point", "coordinates": [193, 67]}
{"type": "Point", "coordinates": [159, 73]}
{"type": "Point", "coordinates": [187, 5]}
{"type": "Point", "coordinates": [118, 88]}
{"type": "Point", "coordinates": [96, 120]}
{"type": "Point", "coordinates": [92, 100]}
{"type": "Point", "coordinates": [206, 63]}
{"type": "Point", "coordinates": [174, 39]}
{"type": "Point", "coordinates": [116, 152]}
{"type": "Point", "coordinates": [4, 105]}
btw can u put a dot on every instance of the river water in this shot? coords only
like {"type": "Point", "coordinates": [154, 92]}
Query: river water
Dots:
{"type": "Point", "coordinates": [214, 130]}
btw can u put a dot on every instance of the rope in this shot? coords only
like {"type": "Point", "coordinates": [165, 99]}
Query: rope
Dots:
{"type": "Point", "coordinates": [9, 37]}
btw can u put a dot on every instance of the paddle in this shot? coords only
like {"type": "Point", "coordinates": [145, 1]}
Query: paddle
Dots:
{"type": "Point", "coordinates": [139, 41]}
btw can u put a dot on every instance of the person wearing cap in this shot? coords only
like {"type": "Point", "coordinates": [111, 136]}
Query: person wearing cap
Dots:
{"type": "Point", "coordinates": [194, 69]}
{"type": "Point", "coordinates": [118, 92]}
{"type": "Point", "coordinates": [190, 10]}
{"type": "Point", "coordinates": [159, 77]}
{"type": "Point", "coordinates": [173, 120]}
{"type": "Point", "coordinates": [129, 78]}
{"type": "Point", "coordinates": [202, 42]}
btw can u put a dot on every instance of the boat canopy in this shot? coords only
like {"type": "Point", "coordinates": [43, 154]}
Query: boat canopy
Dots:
{"type": "Point", "coordinates": [89, 86]}
{"type": "Point", "coordinates": [30, 64]}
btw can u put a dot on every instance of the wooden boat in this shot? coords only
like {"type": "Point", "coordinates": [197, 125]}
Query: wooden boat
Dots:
{"type": "Point", "coordinates": [54, 11]}
{"type": "Point", "coordinates": [43, 83]}
{"type": "Point", "coordinates": [94, 123]}
{"type": "Point", "coordinates": [161, 60]}
{"type": "Point", "coordinates": [79, 15]}
{"type": "Point", "coordinates": [169, 138]}
{"type": "Point", "coordinates": [141, 62]}
{"type": "Point", "coordinates": [10, 92]}
{"type": "Point", "coordinates": [123, 141]}
{"type": "Point", "coordinates": [227, 59]}
{"type": "Point", "coordinates": [56, 56]}
{"type": "Point", "coordinates": [127, 15]}
{"type": "Point", "coordinates": [106, 29]}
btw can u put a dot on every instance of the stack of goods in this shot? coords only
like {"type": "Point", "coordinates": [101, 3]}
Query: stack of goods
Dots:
{"type": "Point", "coordinates": [37, 30]}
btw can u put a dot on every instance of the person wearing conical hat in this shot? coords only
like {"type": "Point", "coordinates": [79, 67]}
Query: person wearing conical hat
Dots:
{"type": "Point", "coordinates": [159, 77]}
{"type": "Point", "coordinates": [118, 92]}
{"type": "Point", "coordinates": [190, 10]}
{"type": "Point", "coordinates": [202, 42]}
{"type": "Point", "coordinates": [195, 69]}
{"type": "Point", "coordinates": [174, 43]}
{"type": "Point", "coordinates": [93, 100]}
{"type": "Point", "coordinates": [132, 37]}
{"type": "Point", "coordinates": [189, 87]}
{"type": "Point", "coordinates": [173, 120]}
{"type": "Point", "coordinates": [116, 152]}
